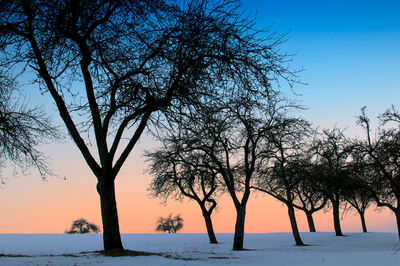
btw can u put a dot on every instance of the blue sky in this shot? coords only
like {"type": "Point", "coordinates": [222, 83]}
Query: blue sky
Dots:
{"type": "Point", "coordinates": [348, 49]}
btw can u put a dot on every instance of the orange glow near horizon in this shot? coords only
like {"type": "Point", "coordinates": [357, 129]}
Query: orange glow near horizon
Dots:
{"type": "Point", "coordinates": [30, 205]}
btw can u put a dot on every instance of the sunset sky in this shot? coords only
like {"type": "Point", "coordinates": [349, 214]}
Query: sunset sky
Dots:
{"type": "Point", "coordinates": [350, 53]}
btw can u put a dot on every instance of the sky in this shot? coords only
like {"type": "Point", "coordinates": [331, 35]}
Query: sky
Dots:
{"type": "Point", "coordinates": [350, 54]}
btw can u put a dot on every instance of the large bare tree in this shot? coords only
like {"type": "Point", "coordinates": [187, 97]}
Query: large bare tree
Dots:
{"type": "Point", "coordinates": [111, 67]}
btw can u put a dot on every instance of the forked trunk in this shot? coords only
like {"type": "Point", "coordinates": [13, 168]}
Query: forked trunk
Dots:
{"type": "Point", "coordinates": [109, 216]}
{"type": "Point", "coordinates": [336, 218]}
{"type": "Point", "coordinates": [310, 221]}
{"type": "Point", "coordinates": [209, 226]}
{"type": "Point", "coordinates": [363, 224]}
{"type": "Point", "coordinates": [293, 224]}
{"type": "Point", "coordinates": [239, 228]}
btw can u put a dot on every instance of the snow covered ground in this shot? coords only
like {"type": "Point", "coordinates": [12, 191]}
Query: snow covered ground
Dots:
{"type": "Point", "coordinates": [193, 249]}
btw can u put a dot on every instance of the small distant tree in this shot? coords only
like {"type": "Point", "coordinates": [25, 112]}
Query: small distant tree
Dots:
{"type": "Point", "coordinates": [81, 226]}
{"type": "Point", "coordinates": [169, 224]}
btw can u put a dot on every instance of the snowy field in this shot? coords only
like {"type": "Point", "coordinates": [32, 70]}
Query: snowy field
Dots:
{"type": "Point", "coordinates": [193, 249]}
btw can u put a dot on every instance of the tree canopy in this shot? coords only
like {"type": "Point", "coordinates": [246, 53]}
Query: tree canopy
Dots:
{"type": "Point", "coordinates": [82, 226]}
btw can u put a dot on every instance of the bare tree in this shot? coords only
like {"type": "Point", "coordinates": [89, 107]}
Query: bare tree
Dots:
{"type": "Point", "coordinates": [22, 129]}
{"type": "Point", "coordinates": [178, 174]}
{"type": "Point", "coordinates": [360, 199]}
{"type": "Point", "coordinates": [279, 176]}
{"type": "Point", "coordinates": [382, 156]}
{"type": "Point", "coordinates": [232, 136]}
{"type": "Point", "coordinates": [330, 174]}
{"type": "Point", "coordinates": [358, 194]}
{"type": "Point", "coordinates": [308, 199]}
{"type": "Point", "coordinates": [82, 226]}
{"type": "Point", "coordinates": [112, 67]}
{"type": "Point", "coordinates": [169, 224]}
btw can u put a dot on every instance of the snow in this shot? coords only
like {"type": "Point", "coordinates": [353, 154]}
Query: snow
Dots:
{"type": "Point", "coordinates": [194, 249]}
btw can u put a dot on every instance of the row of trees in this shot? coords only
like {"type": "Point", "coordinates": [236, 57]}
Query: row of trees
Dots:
{"type": "Point", "coordinates": [244, 144]}
{"type": "Point", "coordinates": [197, 69]}
{"type": "Point", "coordinates": [113, 68]}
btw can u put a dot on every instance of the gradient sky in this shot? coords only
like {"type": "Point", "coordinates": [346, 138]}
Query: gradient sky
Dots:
{"type": "Point", "coordinates": [350, 54]}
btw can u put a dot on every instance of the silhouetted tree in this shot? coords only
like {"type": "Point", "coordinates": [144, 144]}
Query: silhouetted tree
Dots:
{"type": "Point", "coordinates": [308, 199]}
{"type": "Point", "coordinates": [360, 199]}
{"type": "Point", "coordinates": [22, 129]}
{"type": "Point", "coordinates": [382, 156]}
{"type": "Point", "coordinates": [232, 136]}
{"type": "Point", "coordinates": [358, 194]}
{"type": "Point", "coordinates": [112, 67]}
{"type": "Point", "coordinates": [169, 224]}
{"type": "Point", "coordinates": [81, 226]}
{"type": "Point", "coordinates": [330, 173]}
{"type": "Point", "coordinates": [178, 174]}
{"type": "Point", "coordinates": [279, 175]}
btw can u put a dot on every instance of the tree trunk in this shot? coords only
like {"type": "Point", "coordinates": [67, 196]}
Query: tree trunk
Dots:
{"type": "Point", "coordinates": [209, 226]}
{"type": "Point", "coordinates": [109, 216]}
{"type": "Point", "coordinates": [397, 213]}
{"type": "Point", "coordinates": [295, 229]}
{"type": "Point", "coordinates": [310, 221]}
{"type": "Point", "coordinates": [364, 225]}
{"type": "Point", "coordinates": [336, 218]}
{"type": "Point", "coordinates": [239, 228]}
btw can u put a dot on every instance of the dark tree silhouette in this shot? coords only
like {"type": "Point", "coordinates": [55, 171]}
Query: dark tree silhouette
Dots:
{"type": "Point", "coordinates": [279, 176]}
{"type": "Point", "coordinates": [330, 174]}
{"type": "Point", "coordinates": [358, 194]}
{"type": "Point", "coordinates": [308, 199]}
{"type": "Point", "coordinates": [113, 67]}
{"type": "Point", "coordinates": [169, 224]}
{"type": "Point", "coordinates": [360, 199]}
{"type": "Point", "coordinates": [232, 136]}
{"type": "Point", "coordinates": [178, 174]}
{"type": "Point", "coordinates": [22, 129]}
{"type": "Point", "coordinates": [81, 226]}
{"type": "Point", "coordinates": [382, 156]}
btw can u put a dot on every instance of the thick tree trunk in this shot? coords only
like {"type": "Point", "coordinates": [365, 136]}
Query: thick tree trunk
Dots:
{"type": "Point", "coordinates": [363, 224]}
{"type": "Point", "coordinates": [209, 226]}
{"type": "Point", "coordinates": [336, 218]}
{"type": "Point", "coordinates": [295, 229]}
{"type": "Point", "coordinates": [239, 228]}
{"type": "Point", "coordinates": [109, 216]}
{"type": "Point", "coordinates": [310, 221]}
